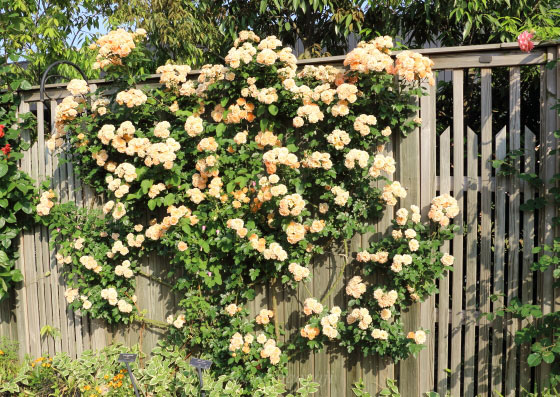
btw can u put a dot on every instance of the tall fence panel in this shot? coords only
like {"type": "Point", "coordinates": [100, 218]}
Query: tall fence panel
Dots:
{"type": "Point", "coordinates": [466, 354]}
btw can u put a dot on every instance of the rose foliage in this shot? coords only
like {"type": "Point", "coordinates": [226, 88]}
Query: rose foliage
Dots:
{"type": "Point", "coordinates": [239, 174]}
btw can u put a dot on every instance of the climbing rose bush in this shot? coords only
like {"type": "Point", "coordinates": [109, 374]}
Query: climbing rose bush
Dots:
{"type": "Point", "coordinates": [408, 262]}
{"type": "Point", "coordinates": [247, 170]}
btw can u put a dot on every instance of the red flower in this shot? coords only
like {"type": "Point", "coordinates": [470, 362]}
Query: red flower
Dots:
{"type": "Point", "coordinates": [1, 130]}
{"type": "Point", "coordinates": [6, 149]}
{"type": "Point", "coordinates": [524, 41]}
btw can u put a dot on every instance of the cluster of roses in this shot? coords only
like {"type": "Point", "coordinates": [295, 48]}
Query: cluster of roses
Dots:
{"type": "Point", "coordinates": [114, 46]}
{"type": "Point", "coordinates": [112, 296]}
{"type": "Point", "coordinates": [268, 348]}
{"type": "Point", "coordinates": [324, 91]}
{"type": "Point", "coordinates": [45, 203]}
{"type": "Point", "coordinates": [376, 56]}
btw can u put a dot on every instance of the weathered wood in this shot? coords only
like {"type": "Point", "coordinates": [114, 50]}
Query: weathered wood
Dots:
{"type": "Point", "coordinates": [471, 266]}
{"type": "Point", "coordinates": [53, 266]}
{"type": "Point", "coordinates": [528, 256]}
{"type": "Point", "coordinates": [294, 312]}
{"type": "Point", "coordinates": [485, 229]}
{"type": "Point", "coordinates": [353, 360]}
{"type": "Point", "coordinates": [547, 170]}
{"type": "Point", "coordinates": [556, 231]}
{"type": "Point", "coordinates": [513, 233]}
{"type": "Point", "coordinates": [408, 163]}
{"type": "Point", "coordinates": [427, 193]}
{"type": "Point", "coordinates": [385, 366]}
{"type": "Point", "coordinates": [337, 355]}
{"type": "Point", "coordinates": [443, 312]}
{"type": "Point", "coordinates": [42, 253]}
{"type": "Point", "coordinates": [459, 184]}
{"type": "Point", "coordinates": [499, 269]}
{"type": "Point", "coordinates": [321, 284]}
{"type": "Point", "coordinates": [59, 177]}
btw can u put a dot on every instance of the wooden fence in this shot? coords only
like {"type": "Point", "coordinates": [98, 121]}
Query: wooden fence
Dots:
{"type": "Point", "coordinates": [465, 355]}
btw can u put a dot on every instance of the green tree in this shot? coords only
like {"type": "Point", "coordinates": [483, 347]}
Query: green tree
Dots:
{"type": "Point", "coordinates": [467, 22]}
{"type": "Point", "coordinates": [33, 34]}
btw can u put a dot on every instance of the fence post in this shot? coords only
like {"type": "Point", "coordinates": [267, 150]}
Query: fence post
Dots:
{"type": "Point", "coordinates": [408, 150]}
{"type": "Point", "coordinates": [547, 170]}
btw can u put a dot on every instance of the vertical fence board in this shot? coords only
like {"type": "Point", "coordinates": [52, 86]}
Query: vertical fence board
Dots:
{"type": "Point", "coordinates": [307, 360]}
{"type": "Point", "coordinates": [337, 355]}
{"type": "Point", "coordinates": [485, 229]}
{"type": "Point", "coordinates": [556, 231]}
{"type": "Point", "coordinates": [21, 292]}
{"type": "Point", "coordinates": [353, 360]}
{"type": "Point", "coordinates": [43, 236]}
{"type": "Point", "coordinates": [548, 168]}
{"type": "Point", "coordinates": [36, 284]}
{"type": "Point", "coordinates": [321, 359]}
{"type": "Point", "coordinates": [408, 163]}
{"type": "Point", "coordinates": [513, 233]}
{"type": "Point", "coordinates": [443, 307]}
{"type": "Point", "coordinates": [471, 262]}
{"type": "Point", "coordinates": [427, 192]}
{"type": "Point", "coordinates": [59, 179]}
{"type": "Point", "coordinates": [385, 366]}
{"type": "Point", "coordinates": [53, 266]}
{"type": "Point", "coordinates": [458, 192]}
{"type": "Point", "coordinates": [30, 276]}
{"type": "Point", "coordinates": [528, 257]}
{"type": "Point", "coordinates": [499, 268]}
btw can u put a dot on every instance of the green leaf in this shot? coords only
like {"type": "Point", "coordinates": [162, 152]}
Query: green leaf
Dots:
{"type": "Point", "coordinates": [220, 129]}
{"type": "Point", "coordinates": [3, 169]}
{"type": "Point", "coordinates": [146, 184]}
{"type": "Point", "coordinates": [25, 85]}
{"type": "Point", "coordinates": [534, 359]}
{"type": "Point", "coordinates": [169, 199]}
{"type": "Point", "coordinates": [273, 109]}
{"type": "Point", "coordinates": [4, 258]}
{"type": "Point", "coordinates": [548, 357]}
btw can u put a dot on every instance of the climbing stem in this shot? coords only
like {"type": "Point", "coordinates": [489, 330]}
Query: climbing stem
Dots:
{"type": "Point", "coordinates": [275, 309]}
{"type": "Point", "coordinates": [156, 279]}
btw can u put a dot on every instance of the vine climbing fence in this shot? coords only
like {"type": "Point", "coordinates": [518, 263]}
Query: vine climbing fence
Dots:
{"type": "Point", "coordinates": [486, 104]}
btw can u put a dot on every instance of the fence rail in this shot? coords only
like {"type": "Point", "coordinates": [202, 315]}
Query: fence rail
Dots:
{"type": "Point", "coordinates": [466, 354]}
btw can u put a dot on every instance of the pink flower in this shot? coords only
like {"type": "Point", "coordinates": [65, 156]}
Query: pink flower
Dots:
{"type": "Point", "coordinates": [524, 41]}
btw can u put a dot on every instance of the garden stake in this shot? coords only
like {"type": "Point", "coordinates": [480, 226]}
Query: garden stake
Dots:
{"type": "Point", "coordinates": [201, 364]}
{"type": "Point", "coordinates": [132, 379]}
{"type": "Point", "coordinates": [128, 358]}
{"type": "Point", "coordinates": [202, 392]}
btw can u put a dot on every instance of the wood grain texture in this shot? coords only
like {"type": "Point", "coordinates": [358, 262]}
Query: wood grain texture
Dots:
{"type": "Point", "coordinates": [485, 230]}
{"type": "Point", "coordinates": [427, 193]}
{"type": "Point", "coordinates": [458, 183]}
{"type": "Point", "coordinates": [471, 266]}
{"type": "Point", "coordinates": [499, 269]}
{"type": "Point", "coordinates": [547, 170]}
{"type": "Point", "coordinates": [408, 173]}
{"type": "Point", "coordinates": [513, 232]}
{"type": "Point", "coordinates": [443, 296]}
{"type": "Point", "coordinates": [527, 250]}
